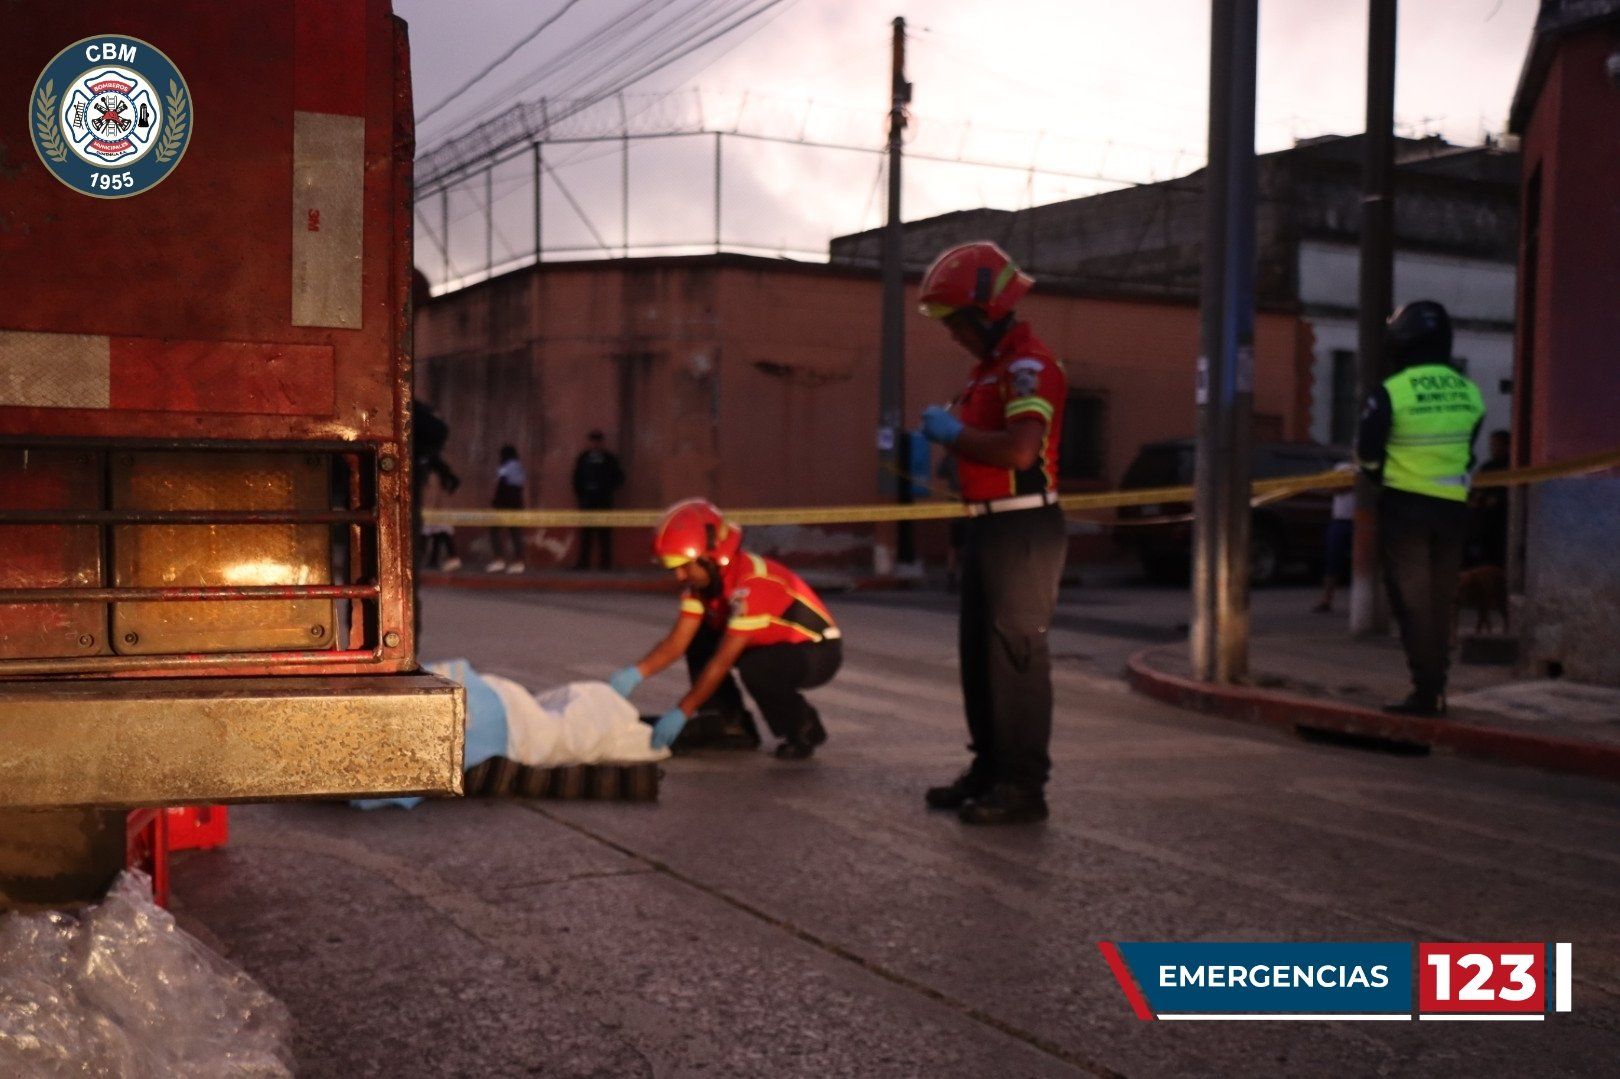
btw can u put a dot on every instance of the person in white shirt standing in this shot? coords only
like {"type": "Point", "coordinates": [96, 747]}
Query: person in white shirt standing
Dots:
{"type": "Point", "coordinates": [509, 482]}
{"type": "Point", "coordinates": [1338, 542]}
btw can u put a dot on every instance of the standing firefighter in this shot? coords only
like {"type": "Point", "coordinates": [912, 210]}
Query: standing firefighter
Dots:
{"type": "Point", "coordinates": [1004, 430]}
{"type": "Point", "coordinates": [1417, 440]}
{"type": "Point", "coordinates": [744, 611]}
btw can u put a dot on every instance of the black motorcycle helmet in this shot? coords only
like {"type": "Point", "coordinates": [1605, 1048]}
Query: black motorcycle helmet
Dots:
{"type": "Point", "coordinates": [1420, 332]}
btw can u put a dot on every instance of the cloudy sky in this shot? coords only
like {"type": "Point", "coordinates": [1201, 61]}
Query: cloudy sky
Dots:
{"type": "Point", "coordinates": [1091, 93]}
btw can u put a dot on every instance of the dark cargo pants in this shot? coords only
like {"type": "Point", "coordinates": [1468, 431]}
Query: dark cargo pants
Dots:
{"type": "Point", "coordinates": [1011, 566]}
{"type": "Point", "coordinates": [776, 676]}
{"type": "Point", "coordinates": [1421, 542]}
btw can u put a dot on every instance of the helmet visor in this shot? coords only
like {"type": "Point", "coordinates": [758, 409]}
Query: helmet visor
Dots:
{"type": "Point", "coordinates": [936, 310]}
{"type": "Point", "coordinates": [674, 561]}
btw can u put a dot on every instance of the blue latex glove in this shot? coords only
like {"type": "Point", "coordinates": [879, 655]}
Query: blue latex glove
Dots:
{"type": "Point", "coordinates": [624, 681]}
{"type": "Point", "coordinates": [940, 426]}
{"type": "Point", "coordinates": [668, 728]}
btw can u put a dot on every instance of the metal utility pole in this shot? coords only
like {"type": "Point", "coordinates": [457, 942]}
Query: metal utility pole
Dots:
{"type": "Point", "coordinates": [1220, 616]}
{"type": "Point", "coordinates": [624, 179]}
{"type": "Point", "coordinates": [894, 442]}
{"type": "Point", "coordinates": [444, 233]}
{"type": "Point", "coordinates": [717, 160]}
{"type": "Point", "coordinates": [538, 173]}
{"type": "Point", "coordinates": [1367, 611]}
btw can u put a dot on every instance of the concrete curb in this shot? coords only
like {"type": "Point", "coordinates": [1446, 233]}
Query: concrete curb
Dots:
{"type": "Point", "coordinates": [1291, 713]}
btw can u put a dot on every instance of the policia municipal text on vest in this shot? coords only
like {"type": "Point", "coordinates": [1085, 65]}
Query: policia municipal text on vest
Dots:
{"type": "Point", "coordinates": [1416, 439]}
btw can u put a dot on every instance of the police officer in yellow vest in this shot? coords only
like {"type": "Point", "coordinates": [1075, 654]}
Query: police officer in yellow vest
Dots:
{"type": "Point", "coordinates": [1417, 439]}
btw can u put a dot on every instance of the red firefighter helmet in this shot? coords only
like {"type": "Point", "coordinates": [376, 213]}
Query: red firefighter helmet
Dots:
{"type": "Point", "coordinates": [979, 275]}
{"type": "Point", "coordinates": [694, 528]}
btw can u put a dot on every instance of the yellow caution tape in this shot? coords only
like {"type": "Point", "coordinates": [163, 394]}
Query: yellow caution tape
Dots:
{"type": "Point", "coordinates": [1265, 491]}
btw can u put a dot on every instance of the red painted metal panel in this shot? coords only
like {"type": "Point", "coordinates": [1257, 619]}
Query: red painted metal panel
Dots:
{"type": "Point", "coordinates": [329, 69]}
{"type": "Point", "coordinates": [198, 827]}
{"type": "Point", "coordinates": [191, 279]}
{"type": "Point", "coordinates": [206, 254]}
{"type": "Point", "coordinates": [222, 376]}
{"type": "Point", "coordinates": [146, 847]}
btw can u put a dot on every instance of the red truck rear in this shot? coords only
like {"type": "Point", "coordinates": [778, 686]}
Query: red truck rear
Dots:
{"type": "Point", "coordinates": [205, 389]}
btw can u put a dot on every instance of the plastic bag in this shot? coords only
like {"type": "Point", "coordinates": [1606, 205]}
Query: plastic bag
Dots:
{"type": "Point", "coordinates": [120, 991]}
{"type": "Point", "coordinates": [532, 733]}
{"type": "Point", "coordinates": [486, 715]}
{"type": "Point", "coordinates": [577, 723]}
{"type": "Point", "coordinates": [597, 725]}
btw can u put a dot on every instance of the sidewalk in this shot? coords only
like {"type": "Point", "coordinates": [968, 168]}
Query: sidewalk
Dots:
{"type": "Point", "coordinates": [1308, 674]}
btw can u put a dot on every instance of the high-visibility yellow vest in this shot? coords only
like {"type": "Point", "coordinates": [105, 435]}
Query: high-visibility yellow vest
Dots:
{"type": "Point", "coordinates": [1435, 412]}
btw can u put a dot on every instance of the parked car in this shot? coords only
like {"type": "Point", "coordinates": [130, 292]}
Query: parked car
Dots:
{"type": "Point", "coordinates": [1283, 535]}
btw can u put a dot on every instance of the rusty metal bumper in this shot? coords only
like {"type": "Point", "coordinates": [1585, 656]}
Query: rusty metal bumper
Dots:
{"type": "Point", "coordinates": [123, 743]}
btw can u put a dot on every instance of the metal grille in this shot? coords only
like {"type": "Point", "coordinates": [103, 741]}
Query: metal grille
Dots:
{"type": "Point", "coordinates": [126, 558]}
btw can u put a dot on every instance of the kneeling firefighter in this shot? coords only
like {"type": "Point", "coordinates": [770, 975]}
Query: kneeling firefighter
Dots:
{"type": "Point", "coordinates": [744, 611]}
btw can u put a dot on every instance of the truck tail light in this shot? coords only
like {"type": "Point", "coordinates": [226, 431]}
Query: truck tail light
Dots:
{"type": "Point", "coordinates": [232, 556]}
{"type": "Point", "coordinates": [125, 559]}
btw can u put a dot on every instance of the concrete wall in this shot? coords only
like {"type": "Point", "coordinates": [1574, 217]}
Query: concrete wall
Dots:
{"type": "Point", "coordinates": [1479, 293]}
{"type": "Point", "coordinates": [1571, 610]}
{"type": "Point", "coordinates": [1566, 372]}
{"type": "Point", "coordinates": [1472, 289]}
{"type": "Point", "coordinates": [1575, 323]}
{"type": "Point", "coordinates": [754, 381]}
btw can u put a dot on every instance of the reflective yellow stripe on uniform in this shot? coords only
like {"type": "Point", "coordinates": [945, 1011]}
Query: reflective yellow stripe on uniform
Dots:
{"type": "Point", "coordinates": [750, 623]}
{"type": "Point", "coordinates": [691, 606]}
{"type": "Point", "coordinates": [1020, 405]}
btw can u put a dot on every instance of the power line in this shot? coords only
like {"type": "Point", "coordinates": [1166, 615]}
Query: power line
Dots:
{"type": "Point", "coordinates": [655, 99]}
{"type": "Point", "coordinates": [618, 81]}
{"type": "Point", "coordinates": [579, 51]}
{"type": "Point", "coordinates": [499, 60]}
{"type": "Point", "coordinates": [512, 127]}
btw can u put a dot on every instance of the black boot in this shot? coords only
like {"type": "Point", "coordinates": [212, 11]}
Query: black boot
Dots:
{"type": "Point", "coordinates": [715, 728]}
{"type": "Point", "coordinates": [959, 792]}
{"type": "Point", "coordinates": [803, 744]}
{"type": "Point", "coordinates": [1007, 803]}
{"type": "Point", "coordinates": [1430, 705]}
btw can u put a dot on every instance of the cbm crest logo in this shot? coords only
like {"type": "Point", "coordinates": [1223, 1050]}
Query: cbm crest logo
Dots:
{"type": "Point", "coordinates": [111, 116]}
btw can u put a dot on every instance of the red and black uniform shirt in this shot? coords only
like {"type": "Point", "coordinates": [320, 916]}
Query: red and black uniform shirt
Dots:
{"type": "Point", "coordinates": [764, 601]}
{"type": "Point", "coordinates": [1021, 379]}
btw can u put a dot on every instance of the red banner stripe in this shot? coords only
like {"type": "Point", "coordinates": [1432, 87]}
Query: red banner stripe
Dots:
{"type": "Point", "coordinates": [1122, 974]}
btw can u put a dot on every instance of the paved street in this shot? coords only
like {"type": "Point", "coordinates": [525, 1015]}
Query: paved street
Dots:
{"type": "Point", "coordinates": [767, 918]}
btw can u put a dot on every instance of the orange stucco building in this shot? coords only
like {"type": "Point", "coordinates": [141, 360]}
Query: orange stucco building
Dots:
{"type": "Point", "coordinates": [754, 381]}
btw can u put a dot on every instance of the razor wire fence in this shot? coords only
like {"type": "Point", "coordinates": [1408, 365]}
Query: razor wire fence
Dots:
{"type": "Point", "coordinates": [692, 173]}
